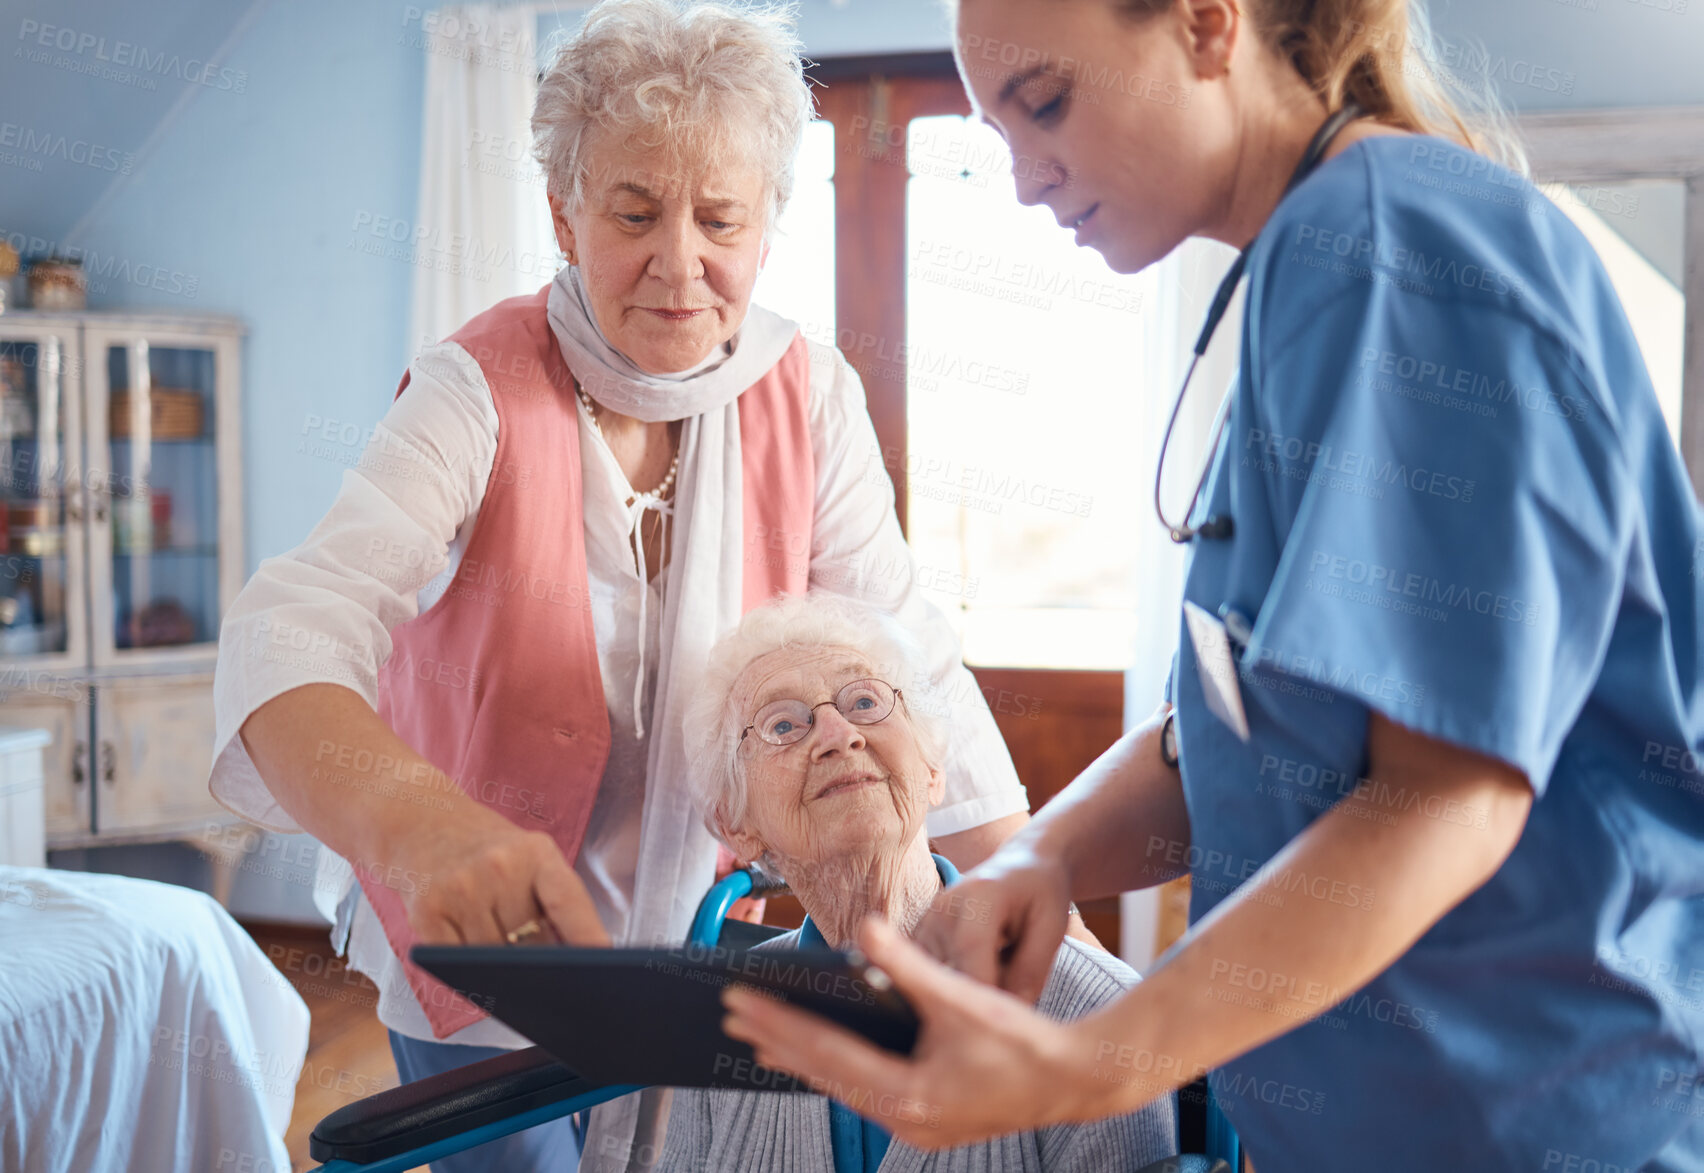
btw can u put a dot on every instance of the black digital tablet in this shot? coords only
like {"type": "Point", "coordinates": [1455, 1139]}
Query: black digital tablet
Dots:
{"type": "Point", "coordinates": [654, 1016]}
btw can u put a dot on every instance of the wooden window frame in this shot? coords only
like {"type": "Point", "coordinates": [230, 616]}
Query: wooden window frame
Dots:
{"type": "Point", "coordinates": [871, 102]}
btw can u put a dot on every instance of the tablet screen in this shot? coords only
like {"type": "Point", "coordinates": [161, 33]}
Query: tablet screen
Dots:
{"type": "Point", "coordinates": [654, 1016]}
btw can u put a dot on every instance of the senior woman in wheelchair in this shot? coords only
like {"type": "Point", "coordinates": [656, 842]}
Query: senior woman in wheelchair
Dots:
{"type": "Point", "coordinates": [822, 754]}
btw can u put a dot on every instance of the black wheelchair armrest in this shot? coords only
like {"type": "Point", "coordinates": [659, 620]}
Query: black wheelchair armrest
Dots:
{"type": "Point", "coordinates": [739, 934]}
{"type": "Point", "coordinates": [442, 1106]}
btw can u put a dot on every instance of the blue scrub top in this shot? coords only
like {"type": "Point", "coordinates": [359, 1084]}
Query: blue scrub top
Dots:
{"type": "Point", "coordinates": [1457, 505]}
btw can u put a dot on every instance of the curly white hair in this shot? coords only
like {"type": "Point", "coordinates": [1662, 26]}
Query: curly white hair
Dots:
{"type": "Point", "coordinates": [704, 82]}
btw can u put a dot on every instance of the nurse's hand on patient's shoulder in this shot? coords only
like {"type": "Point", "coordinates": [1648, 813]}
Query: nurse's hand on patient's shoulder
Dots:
{"type": "Point", "coordinates": [476, 878]}
{"type": "Point", "coordinates": [1003, 922]}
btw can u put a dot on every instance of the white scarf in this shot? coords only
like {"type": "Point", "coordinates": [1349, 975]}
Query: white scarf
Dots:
{"type": "Point", "coordinates": [702, 594]}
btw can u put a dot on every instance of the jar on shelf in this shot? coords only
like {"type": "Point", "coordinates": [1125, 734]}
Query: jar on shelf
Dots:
{"type": "Point", "coordinates": [8, 270]}
{"type": "Point", "coordinates": [57, 284]}
{"type": "Point", "coordinates": [130, 531]}
{"type": "Point", "coordinates": [17, 407]}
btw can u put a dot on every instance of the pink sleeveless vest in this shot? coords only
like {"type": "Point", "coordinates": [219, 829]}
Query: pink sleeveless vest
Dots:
{"type": "Point", "coordinates": [498, 683]}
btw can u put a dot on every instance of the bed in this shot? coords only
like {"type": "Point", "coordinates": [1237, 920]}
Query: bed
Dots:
{"type": "Point", "coordinates": [140, 1029]}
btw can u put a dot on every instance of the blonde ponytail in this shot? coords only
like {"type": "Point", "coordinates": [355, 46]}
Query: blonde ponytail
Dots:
{"type": "Point", "coordinates": [1380, 54]}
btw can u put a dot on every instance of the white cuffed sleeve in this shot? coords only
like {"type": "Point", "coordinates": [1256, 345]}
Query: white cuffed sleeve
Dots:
{"type": "Point", "coordinates": [322, 612]}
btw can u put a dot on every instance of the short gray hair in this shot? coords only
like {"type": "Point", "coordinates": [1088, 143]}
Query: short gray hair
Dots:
{"type": "Point", "coordinates": [712, 725]}
{"type": "Point", "coordinates": [703, 81]}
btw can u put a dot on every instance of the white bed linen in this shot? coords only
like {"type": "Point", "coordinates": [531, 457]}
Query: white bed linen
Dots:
{"type": "Point", "coordinates": [140, 1029]}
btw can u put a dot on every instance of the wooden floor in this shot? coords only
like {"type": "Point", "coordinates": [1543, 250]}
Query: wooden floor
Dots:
{"type": "Point", "coordinates": [348, 1055]}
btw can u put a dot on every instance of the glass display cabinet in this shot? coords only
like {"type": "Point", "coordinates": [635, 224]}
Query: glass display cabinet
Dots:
{"type": "Point", "coordinates": [120, 548]}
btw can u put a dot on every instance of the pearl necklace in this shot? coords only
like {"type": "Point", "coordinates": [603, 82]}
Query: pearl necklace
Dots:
{"type": "Point", "coordinates": [661, 492]}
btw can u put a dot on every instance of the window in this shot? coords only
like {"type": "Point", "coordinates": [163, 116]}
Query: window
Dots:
{"type": "Point", "coordinates": [1022, 413]}
{"type": "Point", "coordinates": [798, 279]}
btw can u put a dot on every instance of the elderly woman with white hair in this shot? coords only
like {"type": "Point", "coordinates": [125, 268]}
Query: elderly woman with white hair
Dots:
{"type": "Point", "coordinates": [823, 747]}
{"type": "Point", "coordinates": [467, 682]}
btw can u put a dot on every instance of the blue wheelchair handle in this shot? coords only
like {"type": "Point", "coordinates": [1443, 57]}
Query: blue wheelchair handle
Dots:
{"type": "Point", "coordinates": [713, 909]}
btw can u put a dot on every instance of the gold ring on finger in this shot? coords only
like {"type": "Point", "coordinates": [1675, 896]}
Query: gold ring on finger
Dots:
{"type": "Point", "coordinates": [526, 932]}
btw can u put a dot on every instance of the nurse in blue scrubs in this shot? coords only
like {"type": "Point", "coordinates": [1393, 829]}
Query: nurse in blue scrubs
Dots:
{"type": "Point", "coordinates": [1433, 765]}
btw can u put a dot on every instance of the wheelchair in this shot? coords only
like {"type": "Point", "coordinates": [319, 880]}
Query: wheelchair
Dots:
{"type": "Point", "coordinates": [411, 1125]}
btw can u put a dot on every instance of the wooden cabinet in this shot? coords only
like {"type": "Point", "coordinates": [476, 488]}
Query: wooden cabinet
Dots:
{"type": "Point", "coordinates": [121, 548]}
{"type": "Point", "coordinates": [151, 736]}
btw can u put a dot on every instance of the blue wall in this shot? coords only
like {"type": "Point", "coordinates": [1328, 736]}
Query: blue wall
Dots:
{"type": "Point", "coordinates": [236, 194]}
{"type": "Point", "coordinates": [251, 198]}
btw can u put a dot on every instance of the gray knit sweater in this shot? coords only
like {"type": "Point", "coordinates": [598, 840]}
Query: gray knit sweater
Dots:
{"type": "Point", "coordinates": [718, 1131]}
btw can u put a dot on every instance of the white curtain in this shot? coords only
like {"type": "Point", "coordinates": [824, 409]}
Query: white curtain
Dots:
{"type": "Point", "coordinates": [483, 227]}
{"type": "Point", "coordinates": [1186, 283]}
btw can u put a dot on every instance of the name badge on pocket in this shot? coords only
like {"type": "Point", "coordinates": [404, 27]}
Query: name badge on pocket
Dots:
{"type": "Point", "coordinates": [1216, 664]}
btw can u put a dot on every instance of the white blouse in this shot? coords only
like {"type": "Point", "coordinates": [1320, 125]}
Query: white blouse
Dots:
{"type": "Point", "coordinates": [419, 487]}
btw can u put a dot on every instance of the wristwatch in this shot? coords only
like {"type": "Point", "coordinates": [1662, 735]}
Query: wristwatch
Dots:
{"type": "Point", "coordinates": [1168, 739]}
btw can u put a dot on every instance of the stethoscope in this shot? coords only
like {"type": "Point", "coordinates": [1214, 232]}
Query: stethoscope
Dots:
{"type": "Point", "coordinates": [1219, 526]}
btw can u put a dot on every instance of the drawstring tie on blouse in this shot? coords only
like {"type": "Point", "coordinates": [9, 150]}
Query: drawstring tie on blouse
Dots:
{"type": "Point", "coordinates": [665, 511]}
{"type": "Point", "coordinates": [661, 499]}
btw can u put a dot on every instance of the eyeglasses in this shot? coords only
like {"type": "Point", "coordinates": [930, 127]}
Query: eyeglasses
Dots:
{"type": "Point", "coordinates": [784, 722]}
